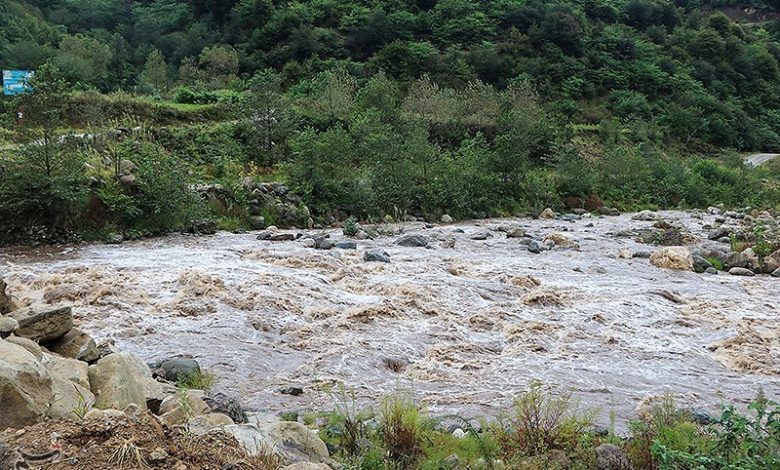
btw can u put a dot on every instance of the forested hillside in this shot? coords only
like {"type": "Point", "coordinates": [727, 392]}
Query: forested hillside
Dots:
{"type": "Point", "coordinates": [371, 108]}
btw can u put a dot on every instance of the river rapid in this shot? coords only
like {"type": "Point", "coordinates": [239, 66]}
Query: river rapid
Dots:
{"type": "Point", "coordinates": [463, 329]}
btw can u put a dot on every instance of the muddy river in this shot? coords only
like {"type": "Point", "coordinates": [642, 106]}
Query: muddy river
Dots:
{"type": "Point", "coordinates": [462, 328]}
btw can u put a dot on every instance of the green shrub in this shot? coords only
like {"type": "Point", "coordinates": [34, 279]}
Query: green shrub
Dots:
{"type": "Point", "coordinates": [402, 430]}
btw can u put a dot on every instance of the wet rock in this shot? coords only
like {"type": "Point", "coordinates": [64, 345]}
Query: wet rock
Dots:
{"type": "Point", "coordinates": [611, 457]}
{"type": "Point", "coordinates": [346, 245]}
{"type": "Point", "coordinates": [711, 270]}
{"type": "Point", "coordinates": [515, 233]}
{"type": "Point", "coordinates": [534, 247]}
{"type": "Point", "coordinates": [646, 215]}
{"type": "Point", "coordinates": [308, 243]}
{"type": "Point", "coordinates": [322, 243]}
{"type": "Point", "coordinates": [673, 257]}
{"type": "Point", "coordinates": [376, 255]}
{"type": "Point", "coordinates": [772, 262]}
{"type": "Point", "coordinates": [776, 273]}
{"type": "Point", "coordinates": [720, 232]}
{"type": "Point", "coordinates": [547, 214]}
{"type": "Point", "coordinates": [265, 235]}
{"type": "Point", "coordinates": [741, 272]}
{"type": "Point", "coordinates": [642, 254]}
{"type": "Point", "coordinates": [361, 235]}
{"type": "Point", "coordinates": [77, 345]}
{"type": "Point", "coordinates": [446, 219]}
{"type": "Point", "coordinates": [7, 326]}
{"type": "Point", "coordinates": [700, 264]}
{"type": "Point", "coordinates": [43, 323]}
{"type": "Point", "coordinates": [120, 379]}
{"type": "Point", "coordinates": [483, 235]}
{"type": "Point", "coordinates": [559, 239]}
{"type": "Point", "coordinates": [25, 387]}
{"type": "Point", "coordinates": [6, 303]}
{"type": "Point", "coordinates": [293, 391]}
{"type": "Point", "coordinates": [611, 211]}
{"type": "Point", "coordinates": [413, 241]}
{"type": "Point", "coordinates": [176, 369]}
{"type": "Point", "coordinates": [625, 253]}
{"type": "Point", "coordinates": [713, 210]}
{"type": "Point", "coordinates": [740, 260]}
{"type": "Point", "coordinates": [282, 237]}
{"type": "Point", "coordinates": [220, 403]}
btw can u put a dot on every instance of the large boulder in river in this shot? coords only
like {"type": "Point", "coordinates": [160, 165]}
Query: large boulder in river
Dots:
{"type": "Point", "coordinates": [25, 387]}
{"type": "Point", "coordinates": [673, 257]}
{"type": "Point", "coordinates": [176, 369]}
{"type": "Point", "coordinates": [77, 345]}
{"type": "Point", "coordinates": [120, 379]}
{"type": "Point", "coordinates": [413, 241]}
{"type": "Point", "coordinates": [43, 323]}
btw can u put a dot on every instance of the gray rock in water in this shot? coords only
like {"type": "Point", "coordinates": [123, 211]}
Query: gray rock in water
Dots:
{"type": "Point", "coordinates": [720, 232]}
{"type": "Point", "coordinates": [534, 247]}
{"type": "Point", "coordinates": [6, 304]}
{"type": "Point", "coordinates": [700, 264]}
{"type": "Point", "coordinates": [611, 457]}
{"type": "Point", "coordinates": [376, 255]}
{"type": "Point", "coordinates": [711, 270]}
{"type": "Point", "coordinates": [346, 245]}
{"type": "Point", "coordinates": [221, 403]}
{"type": "Point", "coordinates": [413, 241]}
{"type": "Point", "coordinates": [282, 237]}
{"type": "Point", "coordinates": [322, 243]}
{"type": "Point", "coordinates": [484, 235]}
{"type": "Point", "coordinates": [737, 260]}
{"type": "Point", "coordinates": [177, 368]}
{"type": "Point", "coordinates": [642, 254]}
{"type": "Point", "coordinates": [446, 219]}
{"type": "Point", "coordinates": [515, 233]}
{"type": "Point", "coordinates": [741, 272]}
{"type": "Point", "coordinates": [43, 323]}
{"type": "Point", "coordinates": [776, 273]}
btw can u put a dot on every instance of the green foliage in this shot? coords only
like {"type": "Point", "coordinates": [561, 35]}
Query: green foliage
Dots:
{"type": "Point", "coordinates": [350, 227]}
{"type": "Point", "coordinates": [402, 429]}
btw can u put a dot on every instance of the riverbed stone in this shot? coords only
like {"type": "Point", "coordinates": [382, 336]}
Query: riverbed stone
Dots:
{"type": "Point", "coordinates": [547, 214]}
{"type": "Point", "coordinates": [672, 257]}
{"type": "Point", "coordinates": [28, 344]}
{"type": "Point", "coordinates": [446, 219]}
{"type": "Point", "coordinates": [376, 255]}
{"type": "Point", "coordinates": [6, 303]}
{"type": "Point", "coordinates": [75, 344]}
{"type": "Point", "coordinates": [776, 273]}
{"type": "Point", "coordinates": [43, 323]}
{"type": "Point", "coordinates": [741, 272]}
{"type": "Point", "coordinates": [413, 241]}
{"type": "Point", "coordinates": [118, 380]}
{"type": "Point", "coordinates": [177, 368]}
{"type": "Point", "coordinates": [700, 264]}
{"type": "Point", "coordinates": [25, 387]}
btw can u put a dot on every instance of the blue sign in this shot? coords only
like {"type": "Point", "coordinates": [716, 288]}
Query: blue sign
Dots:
{"type": "Point", "coordinates": [15, 82]}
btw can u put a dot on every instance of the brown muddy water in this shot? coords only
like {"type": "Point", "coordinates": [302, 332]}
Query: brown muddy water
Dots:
{"type": "Point", "coordinates": [463, 329]}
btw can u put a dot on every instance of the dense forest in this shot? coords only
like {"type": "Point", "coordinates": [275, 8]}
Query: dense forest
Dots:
{"type": "Point", "coordinates": [378, 108]}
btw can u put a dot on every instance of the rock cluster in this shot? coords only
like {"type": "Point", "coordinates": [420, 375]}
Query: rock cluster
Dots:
{"type": "Point", "coordinates": [50, 370]}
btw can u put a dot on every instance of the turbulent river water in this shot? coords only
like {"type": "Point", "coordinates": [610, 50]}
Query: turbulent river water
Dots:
{"type": "Point", "coordinates": [463, 328]}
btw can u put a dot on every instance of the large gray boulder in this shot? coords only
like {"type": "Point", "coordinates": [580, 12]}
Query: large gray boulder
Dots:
{"type": "Point", "coordinates": [75, 344]}
{"type": "Point", "coordinates": [121, 379]}
{"type": "Point", "coordinates": [177, 368]}
{"type": "Point", "coordinates": [291, 441]}
{"type": "Point", "coordinates": [413, 241]}
{"type": "Point", "coordinates": [70, 383]}
{"type": "Point", "coordinates": [25, 387]}
{"type": "Point", "coordinates": [42, 322]}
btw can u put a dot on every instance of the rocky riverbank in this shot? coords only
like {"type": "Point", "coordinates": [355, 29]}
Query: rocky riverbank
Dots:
{"type": "Point", "coordinates": [67, 402]}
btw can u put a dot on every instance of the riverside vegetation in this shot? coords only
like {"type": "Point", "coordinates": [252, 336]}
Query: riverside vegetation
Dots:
{"type": "Point", "coordinates": [378, 109]}
{"type": "Point", "coordinates": [156, 116]}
